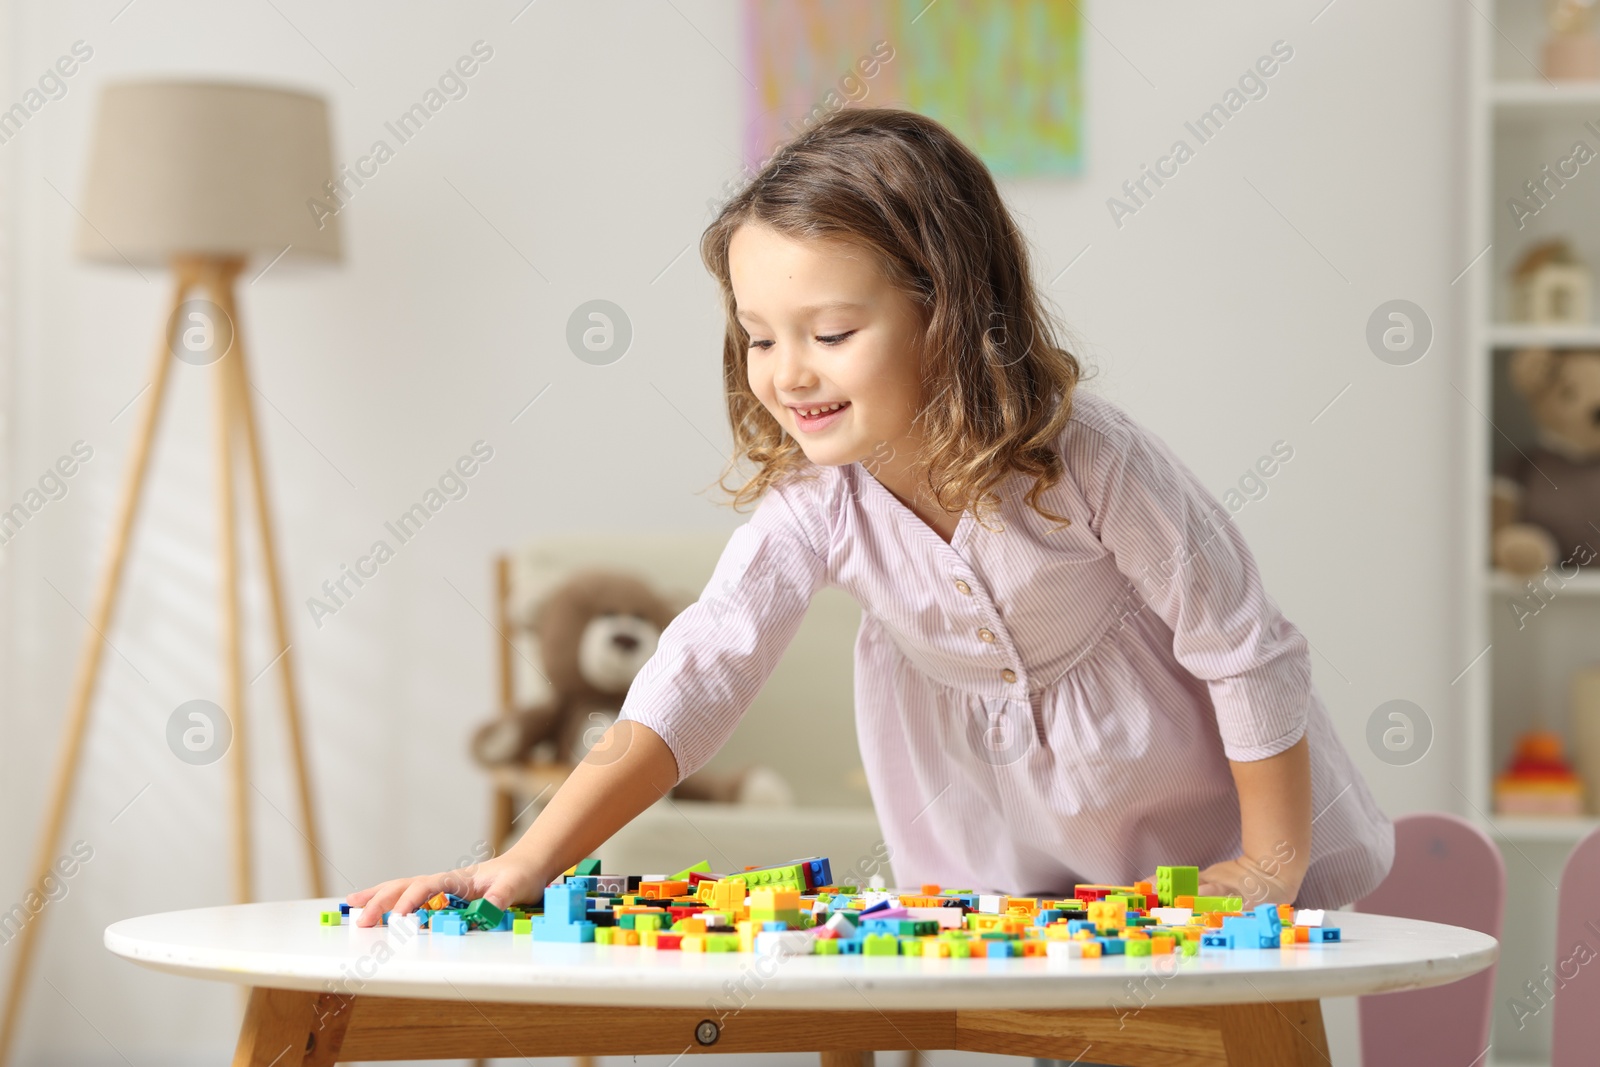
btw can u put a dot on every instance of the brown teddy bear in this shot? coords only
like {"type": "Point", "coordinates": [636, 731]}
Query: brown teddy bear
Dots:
{"type": "Point", "coordinates": [1546, 508]}
{"type": "Point", "coordinates": [596, 630]}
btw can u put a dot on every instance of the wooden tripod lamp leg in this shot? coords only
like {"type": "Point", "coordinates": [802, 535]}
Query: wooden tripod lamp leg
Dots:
{"type": "Point", "coordinates": [217, 277]}
{"type": "Point", "coordinates": [244, 411]}
{"type": "Point", "coordinates": [83, 684]}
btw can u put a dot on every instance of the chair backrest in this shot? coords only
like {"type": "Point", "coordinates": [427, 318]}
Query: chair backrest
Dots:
{"type": "Point", "coordinates": [1445, 870]}
{"type": "Point", "coordinates": [1576, 1022]}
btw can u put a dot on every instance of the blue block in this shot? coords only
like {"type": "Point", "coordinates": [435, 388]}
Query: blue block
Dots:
{"type": "Point", "coordinates": [452, 901]}
{"type": "Point", "coordinates": [1047, 916]}
{"type": "Point", "coordinates": [1112, 946]}
{"type": "Point", "coordinates": [774, 924]}
{"type": "Point", "coordinates": [445, 923]}
{"type": "Point", "coordinates": [586, 882]}
{"type": "Point", "coordinates": [850, 946]}
{"type": "Point", "coordinates": [506, 919]}
{"type": "Point", "coordinates": [574, 933]}
{"type": "Point", "coordinates": [1216, 940]}
{"type": "Point", "coordinates": [1002, 948]}
{"type": "Point", "coordinates": [1323, 934]}
{"type": "Point", "coordinates": [882, 905]}
{"type": "Point", "coordinates": [1074, 925]}
{"type": "Point", "coordinates": [565, 904]}
{"type": "Point", "coordinates": [344, 909]}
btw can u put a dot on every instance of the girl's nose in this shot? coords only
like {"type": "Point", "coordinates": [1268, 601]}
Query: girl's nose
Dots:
{"type": "Point", "coordinates": [792, 374]}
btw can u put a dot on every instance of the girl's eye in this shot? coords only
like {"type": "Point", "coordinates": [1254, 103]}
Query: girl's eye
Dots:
{"type": "Point", "coordinates": [760, 344]}
{"type": "Point", "coordinates": [834, 339]}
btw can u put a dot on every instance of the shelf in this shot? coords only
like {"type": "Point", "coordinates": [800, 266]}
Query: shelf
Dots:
{"type": "Point", "coordinates": [1527, 335]}
{"type": "Point", "coordinates": [1541, 99]}
{"type": "Point", "coordinates": [1586, 583]}
{"type": "Point", "coordinates": [1542, 827]}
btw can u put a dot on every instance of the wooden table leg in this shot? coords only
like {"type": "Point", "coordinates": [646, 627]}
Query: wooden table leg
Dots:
{"type": "Point", "coordinates": [847, 1059]}
{"type": "Point", "coordinates": [1273, 1034]}
{"type": "Point", "coordinates": [290, 1028]}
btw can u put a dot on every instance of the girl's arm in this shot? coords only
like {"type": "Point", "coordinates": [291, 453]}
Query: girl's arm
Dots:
{"type": "Point", "coordinates": [1275, 830]}
{"type": "Point", "coordinates": [629, 769]}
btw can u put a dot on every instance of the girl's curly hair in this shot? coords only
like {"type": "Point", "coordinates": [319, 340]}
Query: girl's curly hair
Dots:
{"type": "Point", "coordinates": [901, 186]}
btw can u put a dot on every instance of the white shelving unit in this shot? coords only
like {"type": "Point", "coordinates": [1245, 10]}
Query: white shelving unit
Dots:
{"type": "Point", "coordinates": [1519, 668]}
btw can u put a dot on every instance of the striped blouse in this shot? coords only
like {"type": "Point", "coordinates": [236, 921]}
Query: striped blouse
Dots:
{"type": "Point", "coordinates": [1037, 705]}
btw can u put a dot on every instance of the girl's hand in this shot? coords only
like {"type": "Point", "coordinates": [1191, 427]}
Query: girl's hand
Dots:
{"type": "Point", "coordinates": [1272, 882]}
{"type": "Point", "coordinates": [506, 879]}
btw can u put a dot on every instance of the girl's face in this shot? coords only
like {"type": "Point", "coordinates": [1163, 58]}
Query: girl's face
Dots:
{"type": "Point", "coordinates": [827, 330]}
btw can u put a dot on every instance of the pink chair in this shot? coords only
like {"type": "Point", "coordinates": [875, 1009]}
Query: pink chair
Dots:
{"type": "Point", "coordinates": [1576, 1020]}
{"type": "Point", "coordinates": [1445, 870]}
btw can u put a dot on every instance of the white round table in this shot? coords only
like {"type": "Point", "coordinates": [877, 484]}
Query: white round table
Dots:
{"type": "Point", "coordinates": [383, 993]}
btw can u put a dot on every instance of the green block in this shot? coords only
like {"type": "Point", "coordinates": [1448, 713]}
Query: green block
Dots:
{"type": "Point", "coordinates": [648, 921]}
{"type": "Point", "coordinates": [1218, 904]}
{"type": "Point", "coordinates": [522, 926]}
{"type": "Point", "coordinates": [1137, 947]}
{"type": "Point", "coordinates": [880, 945]}
{"type": "Point", "coordinates": [588, 867]}
{"type": "Point", "coordinates": [960, 948]}
{"type": "Point", "coordinates": [700, 868]}
{"type": "Point", "coordinates": [911, 946]}
{"type": "Point", "coordinates": [827, 946]}
{"type": "Point", "coordinates": [722, 942]}
{"type": "Point", "coordinates": [1173, 882]}
{"type": "Point", "coordinates": [481, 914]}
{"type": "Point", "coordinates": [1190, 948]}
{"type": "Point", "coordinates": [330, 918]}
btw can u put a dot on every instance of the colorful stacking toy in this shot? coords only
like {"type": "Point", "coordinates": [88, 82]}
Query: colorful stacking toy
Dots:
{"type": "Point", "coordinates": [794, 909]}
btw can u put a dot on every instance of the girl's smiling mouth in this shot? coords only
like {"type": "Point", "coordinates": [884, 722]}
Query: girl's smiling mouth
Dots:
{"type": "Point", "coordinates": [826, 415]}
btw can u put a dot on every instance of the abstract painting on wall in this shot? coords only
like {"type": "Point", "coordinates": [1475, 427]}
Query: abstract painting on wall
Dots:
{"type": "Point", "coordinates": [1004, 75]}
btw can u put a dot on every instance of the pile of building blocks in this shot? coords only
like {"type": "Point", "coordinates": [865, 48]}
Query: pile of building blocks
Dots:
{"type": "Point", "coordinates": [795, 909]}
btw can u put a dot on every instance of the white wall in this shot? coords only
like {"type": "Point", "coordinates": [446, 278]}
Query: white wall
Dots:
{"type": "Point", "coordinates": [1226, 315]}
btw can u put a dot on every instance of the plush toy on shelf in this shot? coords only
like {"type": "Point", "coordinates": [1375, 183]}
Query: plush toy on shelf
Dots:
{"type": "Point", "coordinates": [595, 632]}
{"type": "Point", "coordinates": [1546, 495]}
{"type": "Point", "coordinates": [1539, 780]}
{"type": "Point", "coordinates": [1572, 51]}
{"type": "Point", "coordinates": [1551, 286]}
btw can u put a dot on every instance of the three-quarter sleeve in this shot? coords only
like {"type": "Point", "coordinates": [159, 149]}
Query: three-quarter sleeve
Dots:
{"type": "Point", "coordinates": [716, 654]}
{"type": "Point", "coordinates": [1183, 553]}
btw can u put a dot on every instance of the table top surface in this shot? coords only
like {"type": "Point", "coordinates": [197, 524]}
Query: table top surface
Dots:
{"type": "Point", "coordinates": [280, 944]}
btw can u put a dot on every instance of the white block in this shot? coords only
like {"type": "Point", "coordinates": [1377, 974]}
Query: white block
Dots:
{"type": "Point", "coordinates": [785, 943]}
{"type": "Point", "coordinates": [947, 918]}
{"type": "Point", "coordinates": [1070, 949]}
{"type": "Point", "coordinates": [989, 905]}
{"type": "Point", "coordinates": [1172, 916]}
{"type": "Point", "coordinates": [351, 916]}
{"type": "Point", "coordinates": [1308, 917]}
{"type": "Point", "coordinates": [841, 925]}
{"type": "Point", "coordinates": [407, 923]}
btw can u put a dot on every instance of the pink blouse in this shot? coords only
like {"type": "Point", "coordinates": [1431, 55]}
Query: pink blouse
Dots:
{"type": "Point", "coordinates": [1037, 705]}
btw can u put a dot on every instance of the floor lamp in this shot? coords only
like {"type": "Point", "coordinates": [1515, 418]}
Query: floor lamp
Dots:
{"type": "Point", "coordinates": [199, 177]}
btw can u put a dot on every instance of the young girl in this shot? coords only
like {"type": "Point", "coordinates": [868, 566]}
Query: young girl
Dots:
{"type": "Point", "coordinates": [1067, 669]}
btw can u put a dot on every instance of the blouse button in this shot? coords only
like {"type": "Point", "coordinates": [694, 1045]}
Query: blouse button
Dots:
{"type": "Point", "coordinates": [986, 635]}
{"type": "Point", "coordinates": [964, 587]}
{"type": "Point", "coordinates": [1009, 675]}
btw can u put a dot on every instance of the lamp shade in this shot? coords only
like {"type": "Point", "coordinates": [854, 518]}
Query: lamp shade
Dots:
{"type": "Point", "coordinates": [206, 168]}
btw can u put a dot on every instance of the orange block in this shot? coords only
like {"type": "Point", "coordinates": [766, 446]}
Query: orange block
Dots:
{"type": "Point", "coordinates": [930, 890]}
{"type": "Point", "coordinates": [1161, 945]}
{"type": "Point", "coordinates": [1302, 933]}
